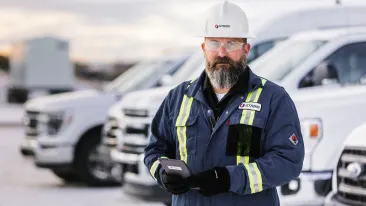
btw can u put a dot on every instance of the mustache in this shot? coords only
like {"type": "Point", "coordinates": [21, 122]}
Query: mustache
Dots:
{"type": "Point", "coordinates": [223, 60]}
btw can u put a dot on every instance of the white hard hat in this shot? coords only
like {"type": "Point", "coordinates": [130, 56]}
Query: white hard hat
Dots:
{"type": "Point", "coordinates": [226, 20]}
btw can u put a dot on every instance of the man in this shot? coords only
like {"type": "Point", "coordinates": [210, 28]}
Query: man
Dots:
{"type": "Point", "coordinates": [238, 133]}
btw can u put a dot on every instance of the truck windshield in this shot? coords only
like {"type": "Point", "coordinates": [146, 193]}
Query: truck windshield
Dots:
{"type": "Point", "coordinates": [135, 77]}
{"type": "Point", "coordinates": [282, 59]}
{"type": "Point", "coordinates": [192, 67]}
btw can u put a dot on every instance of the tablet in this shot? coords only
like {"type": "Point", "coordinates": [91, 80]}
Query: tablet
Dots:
{"type": "Point", "coordinates": [176, 167]}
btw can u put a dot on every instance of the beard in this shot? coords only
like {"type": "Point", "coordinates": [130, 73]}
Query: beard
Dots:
{"type": "Point", "coordinates": [225, 75]}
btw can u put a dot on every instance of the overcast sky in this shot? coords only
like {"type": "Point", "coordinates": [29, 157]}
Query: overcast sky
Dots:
{"type": "Point", "coordinates": [110, 30]}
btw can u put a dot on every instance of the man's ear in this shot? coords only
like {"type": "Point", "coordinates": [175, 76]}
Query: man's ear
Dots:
{"type": "Point", "coordinates": [247, 48]}
{"type": "Point", "coordinates": [203, 46]}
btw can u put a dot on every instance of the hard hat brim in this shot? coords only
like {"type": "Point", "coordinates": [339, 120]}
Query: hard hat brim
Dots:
{"type": "Point", "coordinates": [247, 36]}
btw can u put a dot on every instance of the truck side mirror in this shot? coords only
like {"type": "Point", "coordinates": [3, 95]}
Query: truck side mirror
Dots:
{"type": "Point", "coordinates": [306, 81]}
{"type": "Point", "coordinates": [325, 74]}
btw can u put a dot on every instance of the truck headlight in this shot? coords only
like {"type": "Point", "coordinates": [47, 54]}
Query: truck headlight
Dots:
{"type": "Point", "coordinates": [120, 142]}
{"type": "Point", "coordinates": [53, 122]}
{"type": "Point", "coordinates": [312, 132]}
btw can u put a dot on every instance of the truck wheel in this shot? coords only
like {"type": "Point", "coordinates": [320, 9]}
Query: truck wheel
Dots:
{"type": "Point", "coordinates": [89, 164]}
{"type": "Point", "coordinates": [67, 176]}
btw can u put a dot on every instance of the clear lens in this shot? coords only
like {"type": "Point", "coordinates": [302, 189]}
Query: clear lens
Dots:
{"type": "Point", "coordinates": [229, 46]}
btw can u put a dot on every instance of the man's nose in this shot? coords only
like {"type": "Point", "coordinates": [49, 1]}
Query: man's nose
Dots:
{"type": "Point", "coordinates": [222, 51]}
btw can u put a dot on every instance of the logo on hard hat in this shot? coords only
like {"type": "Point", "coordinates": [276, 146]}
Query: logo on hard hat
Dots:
{"type": "Point", "coordinates": [222, 25]}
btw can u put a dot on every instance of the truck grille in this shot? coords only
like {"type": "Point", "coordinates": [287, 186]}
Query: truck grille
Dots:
{"type": "Point", "coordinates": [351, 187]}
{"type": "Point", "coordinates": [111, 132]}
{"type": "Point", "coordinates": [144, 131]}
{"type": "Point", "coordinates": [131, 147]}
{"type": "Point", "coordinates": [135, 113]}
{"type": "Point", "coordinates": [132, 168]}
{"type": "Point", "coordinates": [31, 123]}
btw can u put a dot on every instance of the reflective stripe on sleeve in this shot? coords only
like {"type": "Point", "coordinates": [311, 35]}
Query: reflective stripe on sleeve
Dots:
{"type": "Point", "coordinates": [154, 167]}
{"type": "Point", "coordinates": [255, 177]}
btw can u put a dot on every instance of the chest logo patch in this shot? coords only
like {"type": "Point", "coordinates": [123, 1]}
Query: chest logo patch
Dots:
{"type": "Point", "coordinates": [250, 106]}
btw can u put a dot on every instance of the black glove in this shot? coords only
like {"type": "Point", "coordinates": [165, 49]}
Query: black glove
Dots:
{"type": "Point", "coordinates": [211, 182]}
{"type": "Point", "coordinates": [175, 184]}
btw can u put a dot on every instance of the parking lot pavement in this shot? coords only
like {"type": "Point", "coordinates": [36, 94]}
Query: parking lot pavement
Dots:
{"type": "Point", "coordinates": [10, 115]}
{"type": "Point", "coordinates": [21, 183]}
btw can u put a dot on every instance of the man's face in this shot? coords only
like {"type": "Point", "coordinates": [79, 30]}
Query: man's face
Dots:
{"type": "Point", "coordinates": [226, 59]}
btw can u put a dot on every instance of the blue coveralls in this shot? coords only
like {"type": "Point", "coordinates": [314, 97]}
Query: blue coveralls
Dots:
{"type": "Point", "coordinates": [257, 138]}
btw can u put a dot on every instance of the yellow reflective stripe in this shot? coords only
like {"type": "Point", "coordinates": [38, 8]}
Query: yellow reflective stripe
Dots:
{"type": "Point", "coordinates": [190, 83]}
{"type": "Point", "coordinates": [155, 166]}
{"type": "Point", "coordinates": [264, 81]}
{"type": "Point", "coordinates": [246, 160]}
{"type": "Point", "coordinates": [181, 121]}
{"type": "Point", "coordinates": [183, 147]}
{"type": "Point", "coordinates": [185, 129]}
{"type": "Point", "coordinates": [250, 176]}
{"type": "Point", "coordinates": [247, 116]}
{"type": "Point", "coordinates": [255, 177]}
{"type": "Point", "coordinates": [259, 176]}
{"type": "Point", "coordinates": [179, 131]}
{"type": "Point", "coordinates": [240, 159]}
{"type": "Point", "coordinates": [181, 111]}
{"type": "Point", "coordinates": [178, 122]}
{"type": "Point", "coordinates": [244, 113]}
{"type": "Point", "coordinates": [252, 113]}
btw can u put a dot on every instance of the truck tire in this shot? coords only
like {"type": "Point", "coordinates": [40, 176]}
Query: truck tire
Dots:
{"type": "Point", "coordinates": [83, 162]}
{"type": "Point", "coordinates": [66, 176]}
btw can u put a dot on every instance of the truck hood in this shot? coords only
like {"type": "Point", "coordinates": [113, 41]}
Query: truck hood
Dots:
{"type": "Point", "coordinates": [149, 99]}
{"type": "Point", "coordinates": [70, 100]}
{"type": "Point", "coordinates": [152, 98]}
{"type": "Point", "coordinates": [326, 93]}
{"type": "Point", "coordinates": [357, 137]}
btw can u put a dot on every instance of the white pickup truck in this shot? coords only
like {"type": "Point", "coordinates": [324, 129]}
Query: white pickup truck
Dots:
{"type": "Point", "coordinates": [349, 174]}
{"type": "Point", "coordinates": [116, 118]}
{"type": "Point", "coordinates": [63, 131]}
{"type": "Point", "coordinates": [334, 75]}
{"type": "Point", "coordinates": [322, 70]}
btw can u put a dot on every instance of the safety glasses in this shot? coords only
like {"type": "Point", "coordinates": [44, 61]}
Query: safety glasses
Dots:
{"type": "Point", "coordinates": [229, 46]}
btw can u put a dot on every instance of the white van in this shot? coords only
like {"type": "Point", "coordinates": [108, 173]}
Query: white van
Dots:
{"type": "Point", "coordinates": [63, 131]}
{"type": "Point", "coordinates": [349, 177]}
{"type": "Point", "coordinates": [318, 68]}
